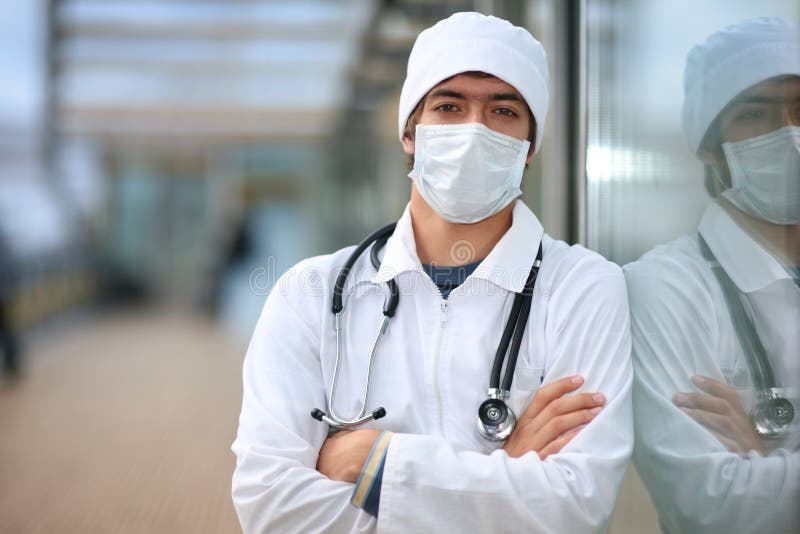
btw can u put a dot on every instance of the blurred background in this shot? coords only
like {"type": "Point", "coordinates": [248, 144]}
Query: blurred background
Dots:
{"type": "Point", "coordinates": [162, 162]}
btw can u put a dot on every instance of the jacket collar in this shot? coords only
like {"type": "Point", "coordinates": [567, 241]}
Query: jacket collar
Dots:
{"type": "Point", "coordinates": [747, 263]}
{"type": "Point", "coordinates": [507, 265]}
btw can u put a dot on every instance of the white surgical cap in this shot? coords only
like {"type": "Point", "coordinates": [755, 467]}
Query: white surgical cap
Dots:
{"type": "Point", "coordinates": [467, 42]}
{"type": "Point", "coordinates": [731, 60]}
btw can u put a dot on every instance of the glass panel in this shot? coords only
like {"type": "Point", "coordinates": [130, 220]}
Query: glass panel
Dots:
{"type": "Point", "coordinates": [707, 186]}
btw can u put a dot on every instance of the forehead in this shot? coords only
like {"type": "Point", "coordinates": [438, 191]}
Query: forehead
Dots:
{"type": "Point", "coordinates": [778, 90]}
{"type": "Point", "coordinates": [476, 84]}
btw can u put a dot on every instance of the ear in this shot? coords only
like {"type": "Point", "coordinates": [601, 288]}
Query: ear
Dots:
{"type": "Point", "coordinates": [408, 145]}
{"type": "Point", "coordinates": [531, 153]}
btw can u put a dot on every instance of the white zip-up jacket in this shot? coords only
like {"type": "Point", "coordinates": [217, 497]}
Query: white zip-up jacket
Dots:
{"type": "Point", "coordinates": [431, 373]}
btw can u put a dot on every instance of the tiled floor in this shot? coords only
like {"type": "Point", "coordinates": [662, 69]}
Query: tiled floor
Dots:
{"type": "Point", "coordinates": [122, 424]}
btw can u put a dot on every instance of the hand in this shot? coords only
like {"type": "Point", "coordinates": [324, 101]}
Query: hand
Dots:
{"type": "Point", "coordinates": [552, 419]}
{"type": "Point", "coordinates": [722, 413]}
{"type": "Point", "coordinates": [343, 454]}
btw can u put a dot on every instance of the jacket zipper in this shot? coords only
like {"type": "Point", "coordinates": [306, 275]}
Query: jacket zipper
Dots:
{"type": "Point", "coordinates": [436, 388]}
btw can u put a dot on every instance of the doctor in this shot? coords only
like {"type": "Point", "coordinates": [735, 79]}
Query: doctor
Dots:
{"type": "Point", "coordinates": [703, 307]}
{"type": "Point", "coordinates": [472, 113]}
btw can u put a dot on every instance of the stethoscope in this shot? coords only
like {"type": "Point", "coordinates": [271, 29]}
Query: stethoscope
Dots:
{"type": "Point", "coordinates": [496, 419]}
{"type": "Point", "coordinates": [772, 413]}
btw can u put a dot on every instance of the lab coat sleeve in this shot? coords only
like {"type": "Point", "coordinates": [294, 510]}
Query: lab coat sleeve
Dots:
{"type": "Point", "coordinates": [276, 487]}
{"type": "Point", "coordinates": [696, 483]}
{"type": "Point", "coordinates": [428, 486]}
{"type": "Point", "coordinates": [367, 493]}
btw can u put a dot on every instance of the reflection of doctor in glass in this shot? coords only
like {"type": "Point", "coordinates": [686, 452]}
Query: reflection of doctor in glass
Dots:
{"type": "Point", "coordinates": [715, 315]}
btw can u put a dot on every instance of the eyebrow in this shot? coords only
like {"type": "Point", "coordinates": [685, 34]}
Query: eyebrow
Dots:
{"type": "Point", "coordinates": [506, 96]}
{"type": "Point", "coordinates": [764, 100]}
{"type": "Point", "coordinates": [449, 93]}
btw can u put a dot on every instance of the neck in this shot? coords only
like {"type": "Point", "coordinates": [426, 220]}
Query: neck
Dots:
{"type": "Point", "coordinates": [441, 242]}
{"type": "Point", "coordinates": [783, 241]}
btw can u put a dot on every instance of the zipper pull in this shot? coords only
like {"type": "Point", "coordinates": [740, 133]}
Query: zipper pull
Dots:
{"type": "Point", "coordinates": [444, 312]}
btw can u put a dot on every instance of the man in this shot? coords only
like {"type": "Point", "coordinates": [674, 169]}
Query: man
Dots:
{"type": "Point", "coordinates": [708, 308]}
{"type": "Point", "coordinates": [475, 93]}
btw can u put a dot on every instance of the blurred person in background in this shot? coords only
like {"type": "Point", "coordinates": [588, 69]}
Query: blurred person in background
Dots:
{"type": "Point", "coordinates": [472, 112]}
{"type": "Point", "coordinates": [715, 315]}
{"type": "Point", "coordinates": [8, 340]}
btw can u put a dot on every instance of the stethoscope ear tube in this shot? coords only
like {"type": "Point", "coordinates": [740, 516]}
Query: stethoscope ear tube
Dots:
{"type": "Point", "coordinates": [341, 278]}
{"type": "Point", "coordinates": [379, 238]}
{"type": "Point", "coordinates": [390, 307]}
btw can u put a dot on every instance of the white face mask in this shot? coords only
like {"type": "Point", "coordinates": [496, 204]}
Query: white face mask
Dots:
{"type": "Point", "coordinates": [467, 172]}
{"type": "Point", "coordinates": [765, 172]}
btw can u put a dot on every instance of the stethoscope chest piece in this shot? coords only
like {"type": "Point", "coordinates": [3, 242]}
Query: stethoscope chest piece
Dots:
{"type": "Point", "coordinates": [496, 420]}
{"type": "Point", "coordinates": [773, 415]}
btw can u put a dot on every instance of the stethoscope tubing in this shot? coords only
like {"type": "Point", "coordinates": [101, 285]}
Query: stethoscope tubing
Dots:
{"type": "Point", "coordinates": [769, 423]}
{"type": "Point", "coordinates": [377, 239]}
{"type": "Point", "coordinates": [344, 272]}
{"type": "Point", "coordinates": [512, 333]}
{"type": "Point", "coordinates": [514, 329]}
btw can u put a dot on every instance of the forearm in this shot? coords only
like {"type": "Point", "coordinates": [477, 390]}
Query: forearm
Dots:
{"type": "Point", "coordinates": [276, 486]}
{"type": "Point", "coordinates": [457, 490]}
{"type": "Point", "coordinates": [471, 492]}
{"type": "Point", "coordinates": [275, 495]}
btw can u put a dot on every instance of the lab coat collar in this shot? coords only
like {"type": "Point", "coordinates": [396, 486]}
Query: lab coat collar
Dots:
{"type": "Point", "coordinates": [401, 251]}
{"type": "Point", "coordinates": [507, 265]}
{"type": "Point", "coordinates": [747, 263]}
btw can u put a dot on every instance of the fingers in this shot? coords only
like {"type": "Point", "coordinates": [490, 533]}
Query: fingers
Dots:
{"type": "Point", "coordinates": [719, 409]}
{"type": "Point", "coordinates": [716, 422]}
{"type": "Point", "coordinates": [557, 444]}
{"type": "Point", "coordinates": [734, 445]}
{"type": "Point", "coordinates": [728, 443]}
{"type": "Point", "coordinates": [572, 403]}
{"type": "Point", "coordinates": [564, 424]}
{"type": "Point", "coordinates": [553, 415]}
{"type": "Point", "coordinates": [737, 431]}
{"type": "Point", "coordinates": [731, 409]}
{"type": "Point", "coordinates": [701, 401]}
{"type": "Point", "coordinates": [716, 388]}
{"type": "Point", "coordinates": [549, 393]}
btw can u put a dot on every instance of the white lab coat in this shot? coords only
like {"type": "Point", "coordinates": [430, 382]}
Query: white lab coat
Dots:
{"type": "Point", "coordinates": [681, 326]}
{"type": "Point", "coordinates": [431, 373]}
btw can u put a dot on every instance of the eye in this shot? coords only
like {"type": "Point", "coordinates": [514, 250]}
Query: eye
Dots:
{"type": "Point", "coordinates": [751, 114]}
{"type": "Point", "coordinates": [446, 107]}
{"type": "Point", "coordinates": [506, 112]}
